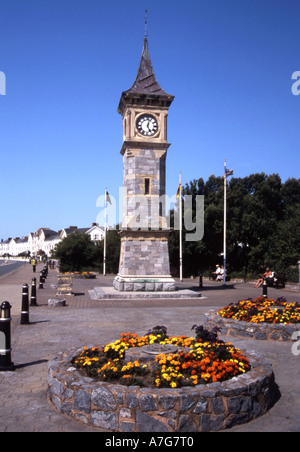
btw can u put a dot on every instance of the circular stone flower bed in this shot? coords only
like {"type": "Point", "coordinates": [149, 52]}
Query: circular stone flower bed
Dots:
{"type": "Point", "coordinates": [262, 319]}
{"type": "Point", "coordinates": [159, 384]}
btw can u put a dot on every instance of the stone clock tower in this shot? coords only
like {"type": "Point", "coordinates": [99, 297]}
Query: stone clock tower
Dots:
{"type": "Point", "coordinates": [144, 258]}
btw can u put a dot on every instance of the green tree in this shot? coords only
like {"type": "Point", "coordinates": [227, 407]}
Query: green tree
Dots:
{"type": "Point", "coordinates": [262, 229]}
{"type": "Point", "coordinates": [254, 211]}
{"type": "Point", "coordinates": [112, 252]}
{"type": "Point", "coordinates": [76, 252]}
{"type": "Point", "coordinates": [285, 252]}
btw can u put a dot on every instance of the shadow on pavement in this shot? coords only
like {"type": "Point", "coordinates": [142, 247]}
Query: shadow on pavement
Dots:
{"type": "Point", "coordinates": [213, 288]}
{"type": "Point", "coordinates": [32, 363]}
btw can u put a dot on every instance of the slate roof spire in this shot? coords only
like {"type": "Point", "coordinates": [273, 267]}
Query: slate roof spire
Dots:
{"type": "Point", "coordinates": [145, 84]}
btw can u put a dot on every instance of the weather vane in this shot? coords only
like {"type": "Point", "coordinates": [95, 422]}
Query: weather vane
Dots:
{"type": "Point", "coordinates": [146, 22]}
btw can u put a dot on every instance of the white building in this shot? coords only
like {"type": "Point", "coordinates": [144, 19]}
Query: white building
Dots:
{"type": "Point", "coordinates": [45, 240]}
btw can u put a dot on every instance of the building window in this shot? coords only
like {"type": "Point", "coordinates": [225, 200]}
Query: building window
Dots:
{"type": "Point", "coordinates": [147, 187]}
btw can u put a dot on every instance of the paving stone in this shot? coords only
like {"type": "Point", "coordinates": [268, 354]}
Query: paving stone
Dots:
{"type": "Point", "coordinates": [92, 322]}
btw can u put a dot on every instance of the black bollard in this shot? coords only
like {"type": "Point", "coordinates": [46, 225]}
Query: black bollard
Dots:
{"type": "Point", "coordinates": [41, 284]}
{"type": "Point", "coordinates": [5, 338]}
{"type": "Point", "coordinates": [201, 280]}
{"type": "Point", "coordinates": [33, 293]}
{"type": "Point", "coordinates": [25, 306]}
{"type": "Point", "coordinates": [265, 288]}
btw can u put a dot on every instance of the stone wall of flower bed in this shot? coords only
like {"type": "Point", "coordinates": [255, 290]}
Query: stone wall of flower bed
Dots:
{"type": "Point", "coordinates": [204, 408]}
{"type": "Point", "coordinates": [259, 331]}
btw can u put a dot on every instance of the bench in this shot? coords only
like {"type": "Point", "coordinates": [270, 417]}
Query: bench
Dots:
{"type": "Point", "coordinates": [278, 280]}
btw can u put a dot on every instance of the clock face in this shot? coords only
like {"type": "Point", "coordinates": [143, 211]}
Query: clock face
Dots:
{"type": "Point", "coordinates": [147, 125]}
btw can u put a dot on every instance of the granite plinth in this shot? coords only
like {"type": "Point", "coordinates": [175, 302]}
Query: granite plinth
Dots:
{"type": "Point", "coordinates": [100, 293]}
{"type": "Point", "coordinates": [144, 284]}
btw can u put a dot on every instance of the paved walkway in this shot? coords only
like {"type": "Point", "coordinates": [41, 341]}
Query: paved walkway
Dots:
{"type": "Point", "coordinates": [23, 393]}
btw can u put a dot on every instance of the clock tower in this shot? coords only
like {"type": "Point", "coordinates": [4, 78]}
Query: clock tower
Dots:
{"type": "Point", "coordinates": [144, 258]}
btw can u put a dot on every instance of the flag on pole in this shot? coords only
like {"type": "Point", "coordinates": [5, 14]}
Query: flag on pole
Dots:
{"type": "Point", "coordinates": [178, 194]}
{"type": "Point", "coordinates": [107, 198]}
{"type": "Point", "coordinates": [228, 172]}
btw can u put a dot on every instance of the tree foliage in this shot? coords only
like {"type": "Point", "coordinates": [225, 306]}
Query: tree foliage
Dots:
{"type": "Point", "coordinates": [77, 252]}
{"type": "Point", "coordinates": [263, 225]}
{"type": "Point", "coordinates": [263, 229]}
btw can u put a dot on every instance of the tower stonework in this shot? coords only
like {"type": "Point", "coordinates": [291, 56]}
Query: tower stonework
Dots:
{"type": "Point", "coordinates": [144, 258]}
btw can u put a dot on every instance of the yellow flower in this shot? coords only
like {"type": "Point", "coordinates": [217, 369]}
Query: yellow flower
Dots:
{"type": "Point", "coordinates": [165, 376]}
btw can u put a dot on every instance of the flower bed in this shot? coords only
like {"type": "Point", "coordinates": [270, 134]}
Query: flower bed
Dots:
{"type": "Point", "coordinates": [262, 319]}
{"type": "Point", "coordinates": [263, 310]}
{"type": "Point", "coordinates": [79, 275]}
{"type": "Point", "coordinates": [206, 385]}
{"type": "Point", "coordinates": [207, 360]}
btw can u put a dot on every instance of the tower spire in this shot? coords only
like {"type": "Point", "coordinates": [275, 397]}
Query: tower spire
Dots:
{"type": "Point", "coordinates": [145, 82]}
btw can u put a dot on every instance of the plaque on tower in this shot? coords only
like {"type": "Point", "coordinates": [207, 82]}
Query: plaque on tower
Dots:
{"type": "Point", "coordinates": [144, 258]}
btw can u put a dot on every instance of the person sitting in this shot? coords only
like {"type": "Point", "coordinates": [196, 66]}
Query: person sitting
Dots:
{"type": "Point", "coordinates": [220, 276]}
{"type": "Point", "coordinates": [268, 275]}
{"type": "Point", "coordinates": [216, 273]}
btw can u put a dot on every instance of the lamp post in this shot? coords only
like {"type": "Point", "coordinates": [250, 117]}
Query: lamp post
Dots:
{"type": "Point", "coordinates": [5, 338]}
{"type": "Point", "coordinates": [299, 270]}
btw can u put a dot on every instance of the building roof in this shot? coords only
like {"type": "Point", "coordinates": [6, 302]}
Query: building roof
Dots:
{"type": "Point", "coordinates": [73, 229]}
{"type": "Point", "coordinates": [51, 238]}
{"type": "Point", "coordinates": [145, 83]}
{"type": "Point", "coordinates": [22, 240]}
{"type": "Point", "coordinates": [47, 232]}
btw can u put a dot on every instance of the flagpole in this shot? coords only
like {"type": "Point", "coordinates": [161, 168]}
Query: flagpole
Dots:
{"type": "Point", "coordinates": [225, 223]}
{"type": "Point", "coordinates": [180, 228]}
{"type": "Point", "coordinates": [104, 247]}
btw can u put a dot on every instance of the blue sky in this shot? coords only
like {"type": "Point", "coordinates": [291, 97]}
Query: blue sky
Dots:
{"type": "Point", "coordinates": [229, 64]}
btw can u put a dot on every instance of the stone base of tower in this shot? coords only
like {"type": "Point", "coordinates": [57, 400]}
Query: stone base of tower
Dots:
{"type": "Point", "coordinates": [154, 284]}
{"type": "Point", "coordinates": [144, 262]}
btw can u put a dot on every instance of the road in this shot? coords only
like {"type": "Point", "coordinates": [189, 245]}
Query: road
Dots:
{"type": "Point", "coordinates": [8, 266]}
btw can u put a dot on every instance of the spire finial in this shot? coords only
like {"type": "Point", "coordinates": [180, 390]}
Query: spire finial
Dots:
{"type": "Point", "coordinates": [146, 23]}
